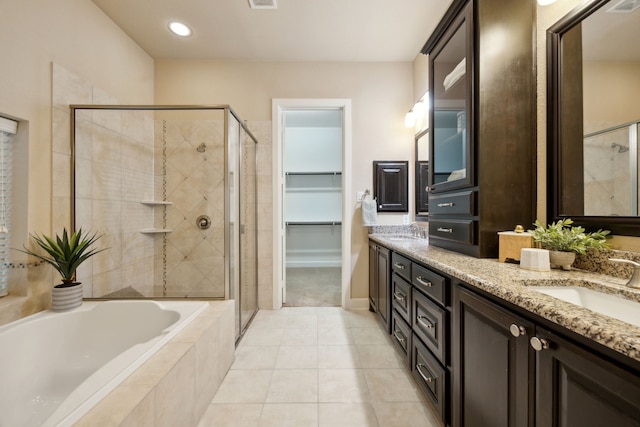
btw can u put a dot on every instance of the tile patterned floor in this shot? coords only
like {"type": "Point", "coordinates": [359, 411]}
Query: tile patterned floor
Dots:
{"type": "Point", "coordinates": [317, 367]}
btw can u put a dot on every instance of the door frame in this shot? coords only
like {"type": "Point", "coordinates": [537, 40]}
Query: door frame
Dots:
{"type": "Point", "coordinates": [278, 107]}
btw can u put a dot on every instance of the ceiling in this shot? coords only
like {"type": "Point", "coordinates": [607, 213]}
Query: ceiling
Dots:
{"type": "Point", "coordinates": [299, 30]}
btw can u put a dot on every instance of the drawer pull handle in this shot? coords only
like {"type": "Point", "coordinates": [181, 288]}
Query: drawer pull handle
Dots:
{"type": "Point", "coordinates": [398, 265]}
{"type": "Point", "coordinates": [445, 230]}
{"type": "Point", "coordinates": [446, 205]}
{"type": "Point", "coordinates": [399, 336]}
{"type": "Point", "coordinates": [419, 367]}
{"type": "Point", "coordinates": [398, 296]}
{"type": "Point", "coordinates": [425, 321]}
{"type": "Point", "coordinates": [421, 280]}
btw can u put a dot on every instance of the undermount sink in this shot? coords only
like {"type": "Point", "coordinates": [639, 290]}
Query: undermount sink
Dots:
{"type": "Point", "coordinates": [600, 302]}
{"type": "Point", "coordinates": [400, 237]}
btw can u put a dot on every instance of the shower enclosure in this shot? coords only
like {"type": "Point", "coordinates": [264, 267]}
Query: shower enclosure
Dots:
{"type": "Point", "coordinates": [173, 190]}
{"type": "Point", "coordinates": [611, 171]}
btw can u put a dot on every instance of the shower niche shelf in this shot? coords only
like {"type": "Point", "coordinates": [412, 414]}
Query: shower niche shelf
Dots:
{"type": "Point", "coordinates": [156, 202]}
{"type": "Point", "coordinates": [155, 230]}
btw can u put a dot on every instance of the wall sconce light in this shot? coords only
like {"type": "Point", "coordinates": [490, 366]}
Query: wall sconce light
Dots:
{"type": "Point", "coordinates": [418, 113]}
{"type": "Point", "coordinates": [419, 108]}
{"type": "Point", "coordinates": [546, 2]}
{"type": "Point", "coordinates": [410, 119]}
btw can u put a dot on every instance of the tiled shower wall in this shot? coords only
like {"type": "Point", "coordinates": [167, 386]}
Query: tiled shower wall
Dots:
{"type": "Point", "coordinates": [139, 250]}
{"type": "Point", "coordinates": [262, 131]}
{"type": "Point", "coordinates": [607, 174]}
{"type": "Point", "coordinates": [114, 173]}
{"type": "Point", "coordinates": [189, 261]}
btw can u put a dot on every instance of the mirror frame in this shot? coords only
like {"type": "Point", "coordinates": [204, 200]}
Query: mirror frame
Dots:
{"type": "Point", "coordinates": [620, 225]}
{"type": "Point", "coordinates": [420, 215]}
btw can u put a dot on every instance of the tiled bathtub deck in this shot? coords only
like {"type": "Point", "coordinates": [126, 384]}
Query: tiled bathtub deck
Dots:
{"type": "Point", "coordinates": [320, 366]}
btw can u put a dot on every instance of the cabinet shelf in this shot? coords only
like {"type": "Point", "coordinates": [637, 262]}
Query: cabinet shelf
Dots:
{"type": "Point", "coordinates": [314, 189]}
{"type": "Point", "coordinates": [288, 223]}
{"type": "Point", "coordinates": [155, 230]}
{"type": "Point", "coordinates": [156, 202]}
{"type": "Point", "coordinates": [456, 138]}
{"type": "Point", "coordinates": [314, 173]}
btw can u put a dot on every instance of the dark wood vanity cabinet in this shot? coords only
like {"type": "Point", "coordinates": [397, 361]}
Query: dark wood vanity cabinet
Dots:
{"type": "Point", "coordinates": [482, 141]}
{"type": "Point", "coordinates": [420, 323]}
{"type": "Point", "coordinates": [492, 366]}
{"type": "Point", "coordinates": [575, 387]}
{"type": "Point", "coordinates": [430, 324]}
{"type": "Point", "coordinates": [379, 282]}
{"type": "Point", "coordinates": [401, 297]}
{"type": "Point", "coordinates": [500, 379]}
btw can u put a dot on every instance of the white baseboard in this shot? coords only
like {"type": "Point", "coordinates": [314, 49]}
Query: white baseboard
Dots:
{"type": "Point", "coordinates": [359, 303]}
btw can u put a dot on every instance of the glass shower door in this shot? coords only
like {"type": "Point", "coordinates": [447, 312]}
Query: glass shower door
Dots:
{"type": "Point", "coordinates": [248, 231]}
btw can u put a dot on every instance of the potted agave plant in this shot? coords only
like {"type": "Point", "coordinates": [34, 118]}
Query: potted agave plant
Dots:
{"type": "Point", "coordinates": [565, 241]}
{"type": "Point", "coordinates": [65, 253]}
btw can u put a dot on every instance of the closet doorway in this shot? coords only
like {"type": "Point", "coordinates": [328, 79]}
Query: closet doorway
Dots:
{"type": "Point", "coordinates": [311, 224]}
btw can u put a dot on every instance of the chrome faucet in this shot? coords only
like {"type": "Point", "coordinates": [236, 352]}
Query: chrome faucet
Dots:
{"type": "Point", "coordinates": [634, 282]}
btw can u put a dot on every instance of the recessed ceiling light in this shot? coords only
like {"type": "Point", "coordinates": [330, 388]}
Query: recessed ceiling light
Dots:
{"type": "Point", "coordinates": [179, 29]}
{"type": "Point", "coordinates": [263, 4]}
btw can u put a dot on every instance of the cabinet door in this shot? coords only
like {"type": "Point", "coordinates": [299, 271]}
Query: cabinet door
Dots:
{"type": "Point", "coordinates": [492, 367]}
{"type": "Point", "coordinates": [390, 185]}
{"type": "Point", "coordinates": [373, 276]}
{"type": "Point", "coordinates": [451, 77]}
{"type": "Point", "coordinates": [384, 281]}
{"type": "Point", "coordinates": [577, 388]}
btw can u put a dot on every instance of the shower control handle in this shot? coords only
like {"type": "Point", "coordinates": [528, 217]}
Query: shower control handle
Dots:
{"type": "Point", "coordinates": [203, 222]}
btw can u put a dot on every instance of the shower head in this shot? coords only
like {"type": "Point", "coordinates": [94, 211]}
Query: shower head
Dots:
{"type": "Point", "coordinates": [621, 148]}
{"type": "Point", "coordinates": [201, 148]}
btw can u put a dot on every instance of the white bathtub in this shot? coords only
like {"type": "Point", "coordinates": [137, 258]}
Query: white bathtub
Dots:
{"type": "Point", "coordinates": [54, 367]}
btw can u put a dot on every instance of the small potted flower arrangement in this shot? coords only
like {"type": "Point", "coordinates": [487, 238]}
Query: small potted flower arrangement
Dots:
{"type": "Point", "coordinates": [66, 253]}
{"type": "Point", "coordinates": [565, 241]}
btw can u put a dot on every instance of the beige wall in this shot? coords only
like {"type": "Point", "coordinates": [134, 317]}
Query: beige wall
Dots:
{"type": "Point", "coordinates": [77, 35]}
{"type": "Point", "coordinates": [420, 76]}
{"type": "Point", "coordinates": [610, 94]}
{"type": "Point", "coordinates": [381, 94]}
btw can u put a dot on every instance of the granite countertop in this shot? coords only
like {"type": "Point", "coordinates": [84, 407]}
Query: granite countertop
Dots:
{"type": "Point", "coordinates": [511, 283]}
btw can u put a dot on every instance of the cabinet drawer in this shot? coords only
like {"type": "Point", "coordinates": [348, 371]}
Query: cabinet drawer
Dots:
{"type": "Point", "coordinates": [459, 230]}
{"type": "Point", "coordinates": [430, 323]}
{"type": "Point", "coordinates": [430, 283]}
{"type": "Point", "coordinates": [402, 337]}
{"type": "Point", "coordinates": [462, 203]}
{"type": "Point", "coordinates": [401, 297]}
{"type": "Point", "coordinates": [431, 377]}
{"type": "Point", "coordinates": [401, 265]}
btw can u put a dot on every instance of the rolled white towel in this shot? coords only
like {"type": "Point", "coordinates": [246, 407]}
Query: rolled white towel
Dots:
{"type": "Point", "coordinates": [369, 212]}
{"type": "Point", "coordinates": [455, 75]}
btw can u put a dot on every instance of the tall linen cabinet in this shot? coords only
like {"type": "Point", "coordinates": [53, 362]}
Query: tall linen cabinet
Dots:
{"type": "Point", "coordinates": [482, 146]}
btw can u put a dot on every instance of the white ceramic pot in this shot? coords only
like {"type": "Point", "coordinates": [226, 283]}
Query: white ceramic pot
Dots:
{"type": "Point", "coordinates": [64, 297]}
{"type": "Point", "coordinates": [559, 259]}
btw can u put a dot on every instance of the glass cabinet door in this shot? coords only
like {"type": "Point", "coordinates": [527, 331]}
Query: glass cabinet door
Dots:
{"type": "Point", "coordinates": [451, 78]}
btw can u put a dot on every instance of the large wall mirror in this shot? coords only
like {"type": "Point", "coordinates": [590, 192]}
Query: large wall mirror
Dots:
{"type": "Point", "coordinates": [594, 116]}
